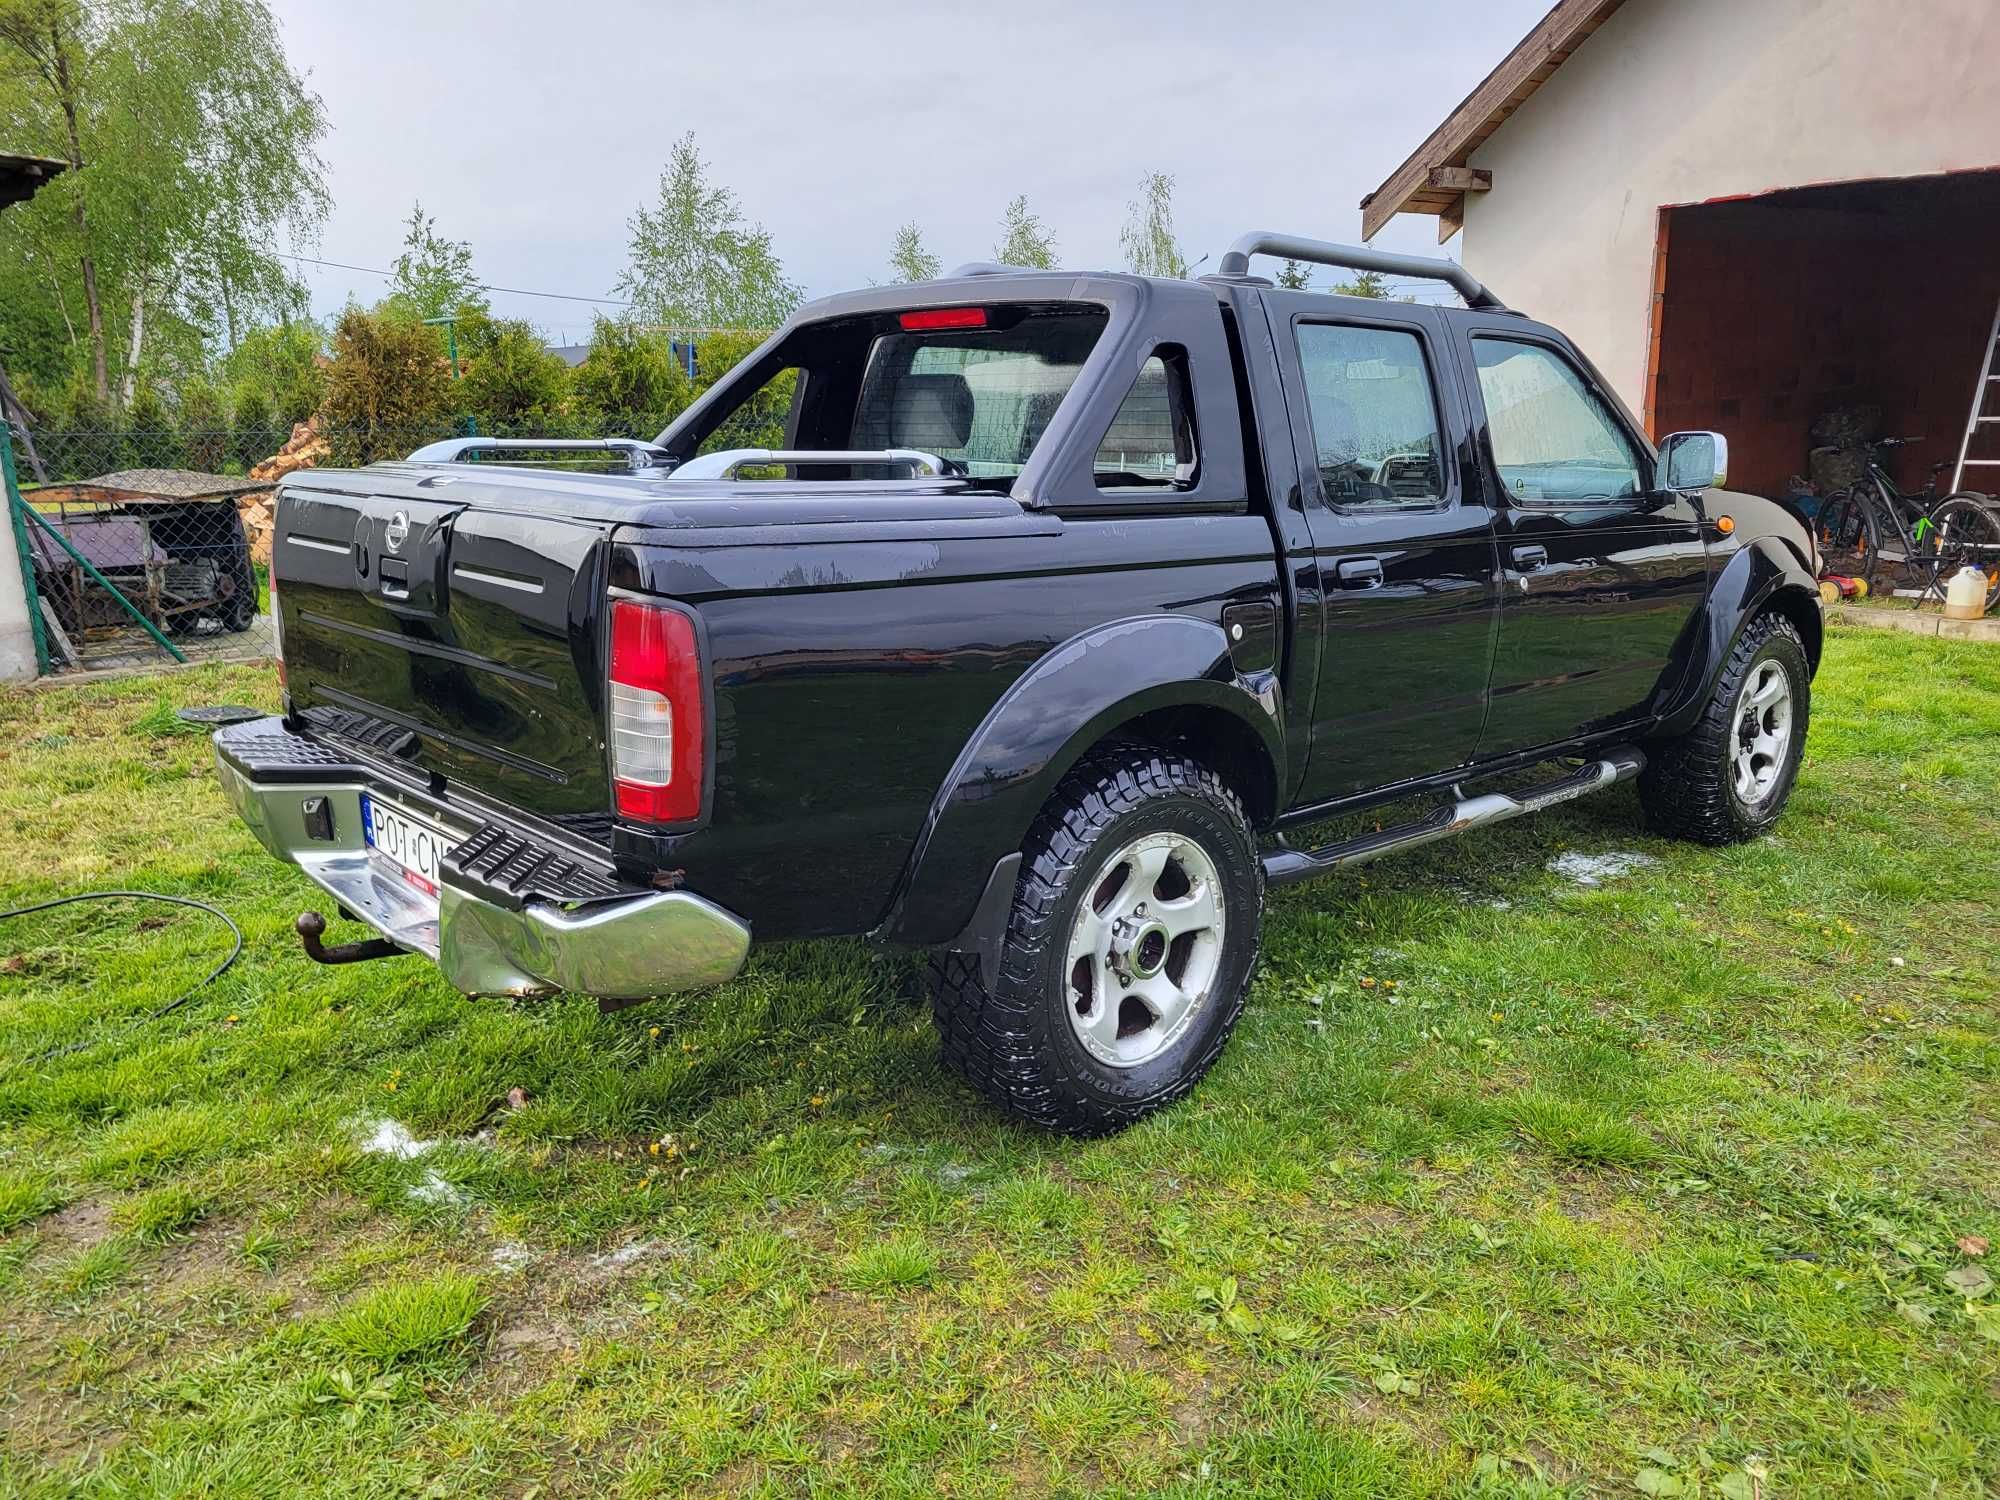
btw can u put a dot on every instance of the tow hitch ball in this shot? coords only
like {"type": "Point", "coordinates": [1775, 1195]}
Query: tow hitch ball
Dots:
{"type": "Point", "coordinates": [311, 926]}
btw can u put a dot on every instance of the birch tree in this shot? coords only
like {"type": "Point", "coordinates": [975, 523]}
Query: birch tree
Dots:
{"type": "Point", "coordinates": [191, 144]}
{"type": "Point", "coordinates": [909, 260]}
{"type": "Point", "coordinates": [695, 262]}
{"type": "Point", "coordinates": [1024, 239]}
{"type": "Point", "coordinates": [1151, 248]}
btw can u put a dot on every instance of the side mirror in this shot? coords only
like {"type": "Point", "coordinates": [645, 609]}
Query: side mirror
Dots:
{"type": "Point", "coordinates": [1694, 461]}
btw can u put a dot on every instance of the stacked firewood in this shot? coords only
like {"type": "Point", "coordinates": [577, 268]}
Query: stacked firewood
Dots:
{"type": "Point", "coordinates": [302, 450]}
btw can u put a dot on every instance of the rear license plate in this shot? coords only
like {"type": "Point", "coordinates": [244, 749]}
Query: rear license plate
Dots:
{"type": "Point", "coordinates": [415, 846]}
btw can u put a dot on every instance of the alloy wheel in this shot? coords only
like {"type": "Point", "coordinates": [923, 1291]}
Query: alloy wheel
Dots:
{"type": "Point", "coordinates": [1145, 949]}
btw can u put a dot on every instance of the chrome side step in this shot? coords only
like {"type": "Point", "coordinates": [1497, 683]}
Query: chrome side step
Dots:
{"type": "Point", "coordinates": [1286, 866]}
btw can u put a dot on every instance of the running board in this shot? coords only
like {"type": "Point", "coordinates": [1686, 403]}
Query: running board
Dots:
{"type": "Point", "coordinates": [1285, 866]}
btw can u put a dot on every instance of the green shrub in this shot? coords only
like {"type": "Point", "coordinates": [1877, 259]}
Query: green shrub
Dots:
{"type": "Point", "coordinates": [251, 437]}
{"type": "Point", "coordinates": [151, 438]}
{"type": "Point", "coordinates": [511, 384]}
{"type": "Point", "coordinates": [760, 421]}
{"type": "Point", "coordinates": [282, 360]}
{"type": "Point", "coordinates": [204, 426]}
{"type": "Point", "coordinates": [389, 388]}
{"type": "Point", "coordinates": [630, 384]}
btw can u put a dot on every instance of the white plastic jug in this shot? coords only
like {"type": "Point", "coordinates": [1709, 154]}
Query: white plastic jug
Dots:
{"type": "Point", "coordinates": [1965, 595]}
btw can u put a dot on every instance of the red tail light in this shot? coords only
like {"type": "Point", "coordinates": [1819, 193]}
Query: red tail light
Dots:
{"type": "Point", "coordinates": [944, 317]}
{"type": "Point", "coordinates": [659, 737]}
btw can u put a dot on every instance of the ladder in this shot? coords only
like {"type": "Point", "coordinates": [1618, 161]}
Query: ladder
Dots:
{"type": "Point", "coordinates": [1989, 377]}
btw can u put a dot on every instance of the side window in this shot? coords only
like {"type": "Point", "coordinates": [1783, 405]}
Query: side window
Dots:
{"type": "Point", "coordinates": [1553, 438]}
{"type": "Point", "coordinates": [1374, 416]}
{"type": "Point", "coordinates": [1151, 440]}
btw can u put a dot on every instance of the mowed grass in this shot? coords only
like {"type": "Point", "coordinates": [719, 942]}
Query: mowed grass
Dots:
{"type": "Point", "coordinates": [1507, 1186]}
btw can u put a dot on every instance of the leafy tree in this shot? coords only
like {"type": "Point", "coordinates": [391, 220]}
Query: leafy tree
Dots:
{"type": "Point", "coordinates": [286, 361]}
{"type": "Point", "coordinates": [151, 439]}
{"type": "Point", "coordinates": [1024, 239]}
{"type": "Point", "coordinates": [388, 389]}
{"type": "Point", "coordinates": [433, 276]}
{"type": "Point", "coordinates": [512, 382]}
{"type": "Point", "coordinates": [1363, 284]}
{"type": "Point", "coordinates": [695, 263]}
{"type": "Point", "coordinates": [1295, 276]}
{"type": "Point", "coordinates": [191, 142]}
{"type": "Point", "coordinates": [252, 439]}
{"type": "Point", "coordinates": [630, 384]}
{"type": "Point", "coordinates": [760, 421]}
{"type": "Point", "coordinates": [205, 425]}
{"type": "Point", "coordinates": [1148, 236]}
{"type": "Point", "coordinates": [910, 261]}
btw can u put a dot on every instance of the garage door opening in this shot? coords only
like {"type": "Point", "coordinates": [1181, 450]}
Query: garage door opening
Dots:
{"type": "Point", "coordinates": [1855, 305]}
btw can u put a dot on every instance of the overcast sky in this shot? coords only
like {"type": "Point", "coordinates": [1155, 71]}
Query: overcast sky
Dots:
{"type": "Point", "coordinates": [534, 130]}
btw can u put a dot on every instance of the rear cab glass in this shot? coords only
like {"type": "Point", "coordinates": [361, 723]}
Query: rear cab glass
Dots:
{"type": "Point", "coordinates": [980, 396]}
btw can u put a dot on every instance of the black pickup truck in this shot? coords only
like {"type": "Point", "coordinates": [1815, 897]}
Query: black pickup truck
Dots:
{"type": "Point", "coordinates": [1068, 597]}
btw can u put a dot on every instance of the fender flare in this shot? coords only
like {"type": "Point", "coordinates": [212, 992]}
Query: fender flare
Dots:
{"type": "Point", "coordinates": [1071, 699]}
{"type": "Point", "coordinates": [1760, 573]}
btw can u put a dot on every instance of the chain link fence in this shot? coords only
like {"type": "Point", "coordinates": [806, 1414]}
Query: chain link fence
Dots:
{"type": "Point", "coordinates": [148, 547]}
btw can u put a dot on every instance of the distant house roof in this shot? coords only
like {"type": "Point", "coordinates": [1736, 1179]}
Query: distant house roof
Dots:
{"type": "Point", "coordinates": [21, 177]}
{"type": "Point", "coordinates": [570, 354]}
{"type": "Point", "coordinates": [1435, 178]}
{"type": "Point", "coordinates": [164, 486]}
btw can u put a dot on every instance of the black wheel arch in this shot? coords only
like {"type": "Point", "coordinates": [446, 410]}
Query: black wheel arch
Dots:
{"type": "Point", "coordinates": [1166, 680]}
{"type": "Point", "coordinates": [1762, 573]}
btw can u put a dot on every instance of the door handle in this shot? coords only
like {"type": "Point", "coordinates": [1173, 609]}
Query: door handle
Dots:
{"type": "Point", "coordinates": [1359, 572]}
{"type": "Point", "coordinates": [1527, 559]}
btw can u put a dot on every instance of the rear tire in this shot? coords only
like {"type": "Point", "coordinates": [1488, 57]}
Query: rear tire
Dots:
{"type": "Point", "coordinates": [1967, 534]}
{"type": "Point", "coordinates": [1850, 543]}
{"type": "Point", "coordinates": [1098, 1017]}
{"type": "Point", "coordinates": [1728, 778]}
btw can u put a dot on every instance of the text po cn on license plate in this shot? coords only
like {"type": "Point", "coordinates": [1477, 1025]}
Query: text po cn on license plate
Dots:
{"type": "Point", "coordinates": [414, 845]}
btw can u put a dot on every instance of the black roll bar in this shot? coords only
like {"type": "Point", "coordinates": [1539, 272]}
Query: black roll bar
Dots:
{"type": "Point", "coordinates": [1236, 262]}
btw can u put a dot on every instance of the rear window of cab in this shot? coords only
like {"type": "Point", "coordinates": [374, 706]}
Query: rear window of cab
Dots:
{"type": "Point", "coordinates": [978, 396]}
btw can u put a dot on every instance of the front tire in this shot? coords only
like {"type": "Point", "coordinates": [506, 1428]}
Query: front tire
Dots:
{"type": "Point", "coordinates": [1129, 947]}
{"type": "Point", "coordinates": [1728, 778]}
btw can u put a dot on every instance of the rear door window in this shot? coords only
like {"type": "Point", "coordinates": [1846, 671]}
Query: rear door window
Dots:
{"type": "Point", "coordinates": [979, 397]}
{"type": "Point", "coordinates": [1372, 406]}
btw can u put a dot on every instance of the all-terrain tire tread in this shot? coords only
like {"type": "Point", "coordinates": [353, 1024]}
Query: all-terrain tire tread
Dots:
{"type": "Point", "coordinates": [1684, 788]}
{"type": "Point", "coordinates": [992, 1036]}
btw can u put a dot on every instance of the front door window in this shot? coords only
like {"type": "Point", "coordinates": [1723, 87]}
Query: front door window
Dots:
{"type": "Point", "coordinates": [1553, 439]}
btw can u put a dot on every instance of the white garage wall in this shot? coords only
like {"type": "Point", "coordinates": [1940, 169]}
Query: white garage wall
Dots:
{"type": "Point", "coordinates": [1678, 101]}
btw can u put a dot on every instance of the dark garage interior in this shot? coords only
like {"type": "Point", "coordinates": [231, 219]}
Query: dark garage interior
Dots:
{"type": "Point", "coordinates": [1773, 311]}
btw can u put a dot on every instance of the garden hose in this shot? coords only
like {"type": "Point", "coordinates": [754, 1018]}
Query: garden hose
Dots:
{"type": "Point", "coordinates": [235, 951]}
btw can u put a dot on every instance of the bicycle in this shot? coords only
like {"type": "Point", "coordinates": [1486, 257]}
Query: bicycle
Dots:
{"type": "Point", "coordinates": [1872, 523]}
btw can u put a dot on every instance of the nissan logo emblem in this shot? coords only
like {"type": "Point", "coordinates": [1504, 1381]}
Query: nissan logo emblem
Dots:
{"type": "Point", "coordinates": [397, 531]}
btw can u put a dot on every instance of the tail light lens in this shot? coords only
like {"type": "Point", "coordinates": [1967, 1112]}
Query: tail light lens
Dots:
{"type": "Point", "coordinates": [658, 736]}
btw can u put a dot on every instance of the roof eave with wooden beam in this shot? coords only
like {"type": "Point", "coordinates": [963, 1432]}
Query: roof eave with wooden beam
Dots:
{"type": "Point", "coordinates": [21, 177]}
{"type": "Point", "coordinates": [1437, 176]}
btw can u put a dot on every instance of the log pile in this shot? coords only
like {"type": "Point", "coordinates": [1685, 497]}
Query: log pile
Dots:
{"type": "Point", "coordinates": [303, 450]}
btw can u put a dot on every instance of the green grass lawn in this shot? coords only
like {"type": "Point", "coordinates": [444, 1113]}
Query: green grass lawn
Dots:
{"type": "Point", "coordinates": [1675, 1185]}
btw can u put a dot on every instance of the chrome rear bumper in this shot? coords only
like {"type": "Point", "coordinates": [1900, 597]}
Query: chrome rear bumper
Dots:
{"type": "Point", "coordinates": [624, 947]}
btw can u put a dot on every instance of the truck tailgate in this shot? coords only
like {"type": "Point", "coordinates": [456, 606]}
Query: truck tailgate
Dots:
{"type": "Point", "coordinates": [460, 638]}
